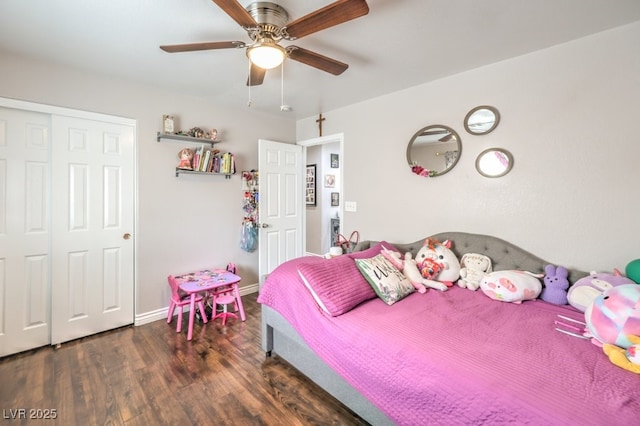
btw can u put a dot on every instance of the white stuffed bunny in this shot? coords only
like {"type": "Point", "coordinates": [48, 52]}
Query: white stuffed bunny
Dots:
{"type": "Point", "coordinates": [473, 267]}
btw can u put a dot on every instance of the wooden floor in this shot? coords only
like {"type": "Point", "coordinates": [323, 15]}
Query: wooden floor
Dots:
{"type": "Point", "coordinates": [152, 375]}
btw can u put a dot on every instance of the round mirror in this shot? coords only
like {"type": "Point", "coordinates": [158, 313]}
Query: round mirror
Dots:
{"type": "Point", "coordinates": [433, 150]}
{"type": "Point", "coordinates": [481, 120]}
{"type": "Point", "coordinates": [494, 162]}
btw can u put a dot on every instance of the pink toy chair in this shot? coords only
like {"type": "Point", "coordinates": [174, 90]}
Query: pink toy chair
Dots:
{"type": "Point", "coordinates": [181, 300]}
{"type": "Point", "coordinates": [224, 296]}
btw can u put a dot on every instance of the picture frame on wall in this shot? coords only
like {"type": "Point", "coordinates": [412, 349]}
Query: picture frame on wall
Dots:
{"type": "Point", "coordinates": [335, 161]}
{"type": "Point", "coordinates": [335, 199]}
{"type": "Point", "coordinates": [329, 181]}
{"type": "Point", "coordinates": [310, 185]}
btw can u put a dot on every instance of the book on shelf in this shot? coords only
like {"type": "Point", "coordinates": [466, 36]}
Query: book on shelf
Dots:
{"type": "Point", "coordinates": [209, 160]}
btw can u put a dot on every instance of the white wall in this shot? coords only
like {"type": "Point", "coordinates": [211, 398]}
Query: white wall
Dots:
{"type": "Point", "coordinates": [569, 116]}
{"type": "Point", "coordinates": [184, 223]}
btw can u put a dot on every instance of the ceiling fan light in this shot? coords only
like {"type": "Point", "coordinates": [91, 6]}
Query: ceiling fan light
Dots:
{"type": "Point", "coordinates": [266, 54]}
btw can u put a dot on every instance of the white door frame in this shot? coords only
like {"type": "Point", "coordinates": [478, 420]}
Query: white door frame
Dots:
{"type": "Point", "coordinates": [338, 137]}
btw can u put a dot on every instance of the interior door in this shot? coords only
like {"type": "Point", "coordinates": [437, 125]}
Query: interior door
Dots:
{"type": "Point", "coordinates": [280, 205]}
{"type": "Point", "coordinates": [93, 217]}
{"type": "Point", "coordinates": [25, 263]}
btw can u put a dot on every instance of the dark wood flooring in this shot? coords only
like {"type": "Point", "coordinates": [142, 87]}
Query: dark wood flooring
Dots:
{"type": "Point", "coordinates": [152, 375]}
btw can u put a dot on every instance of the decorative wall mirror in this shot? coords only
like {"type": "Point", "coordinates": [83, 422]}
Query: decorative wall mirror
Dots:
{"type": "Point", "coordinates": [433, 150]}
{"type": "Point", "coordinates": [494, 162]}
{"type": "Point", "coordinates": [481, 120]}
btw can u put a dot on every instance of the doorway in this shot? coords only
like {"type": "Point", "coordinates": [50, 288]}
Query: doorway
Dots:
{"type": "Point", "coordinates": [324, 219]}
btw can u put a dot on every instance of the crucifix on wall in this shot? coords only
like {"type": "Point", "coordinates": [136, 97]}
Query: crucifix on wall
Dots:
{"type": "Point", "coordinates": [319, 121]}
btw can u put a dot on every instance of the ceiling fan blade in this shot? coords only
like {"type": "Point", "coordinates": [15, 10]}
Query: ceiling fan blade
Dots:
{"type": "Point", "coordinates": [256, 76]}
{"type": "Point", "coordinates": [331, 15]}
{"type": "Point", "coordinates": [191, 47]}
{"type": "Point", "coordinates": [236, 12]}
{"type": "Point", "coordinates": [316, 60]}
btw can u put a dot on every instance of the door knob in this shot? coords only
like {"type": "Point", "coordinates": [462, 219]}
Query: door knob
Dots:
{"type": "Point", "coordinates": [126, 236]}
{"type": "Point", "coordinates": [263, 225]}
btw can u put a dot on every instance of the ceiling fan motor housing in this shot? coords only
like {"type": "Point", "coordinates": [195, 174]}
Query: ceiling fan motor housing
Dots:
{"type": "Point", "coordinates": [269, 16]}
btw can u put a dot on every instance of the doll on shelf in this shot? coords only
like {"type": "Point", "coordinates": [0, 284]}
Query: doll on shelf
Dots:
{"type": "Point", "coordinates": [185, 155]}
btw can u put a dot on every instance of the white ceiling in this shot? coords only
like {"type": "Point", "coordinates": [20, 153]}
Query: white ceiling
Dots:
{"type": "Point", "coordinates": [399, 44]}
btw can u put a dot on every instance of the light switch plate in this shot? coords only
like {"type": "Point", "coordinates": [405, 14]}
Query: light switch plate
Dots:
{"type": "Point", "coordinates": [350, 206]}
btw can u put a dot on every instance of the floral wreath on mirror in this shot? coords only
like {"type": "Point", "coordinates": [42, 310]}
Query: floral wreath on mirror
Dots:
{"type": "Point", "coordinates": [421, 171]}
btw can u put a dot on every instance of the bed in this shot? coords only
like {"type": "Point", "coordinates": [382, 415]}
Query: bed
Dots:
{"type": "Point", "coordinates": [454, 357]}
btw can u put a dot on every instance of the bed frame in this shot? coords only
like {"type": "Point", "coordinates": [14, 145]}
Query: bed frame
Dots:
{"type": "Point", "coordinates": [279, 337]}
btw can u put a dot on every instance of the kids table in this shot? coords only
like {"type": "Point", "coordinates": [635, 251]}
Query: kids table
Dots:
{"type": "Point", "coordinates": [208, 281]}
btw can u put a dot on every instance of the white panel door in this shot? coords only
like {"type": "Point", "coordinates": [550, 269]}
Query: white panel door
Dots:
{"type": "Point", "coordinates": [93, 217]}
{"type": "Point", "coordinates": [281, 204]}
{"type": "Point", "coordinates": [24, 230]}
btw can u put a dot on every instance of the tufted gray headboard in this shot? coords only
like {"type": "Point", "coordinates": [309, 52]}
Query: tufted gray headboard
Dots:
{"type": "Point", "coordinates": [503, 254]}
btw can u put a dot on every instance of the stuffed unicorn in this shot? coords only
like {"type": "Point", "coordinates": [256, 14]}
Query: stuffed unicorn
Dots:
{"type": "Point", "coordinates": [437, 262]}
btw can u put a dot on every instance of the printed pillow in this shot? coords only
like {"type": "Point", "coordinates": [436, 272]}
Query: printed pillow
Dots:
{"type": "Point", "coordinates": [336, 284]}
{"type": "Point", "coordinates": [387, 281]}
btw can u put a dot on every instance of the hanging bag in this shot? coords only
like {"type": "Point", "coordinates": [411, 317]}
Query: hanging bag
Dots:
{"type": "Point", "coordinates": [348, 244]}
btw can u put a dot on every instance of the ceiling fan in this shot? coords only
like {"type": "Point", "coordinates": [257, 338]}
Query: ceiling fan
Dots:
{"type": "Point", "coordinates": [267, 23]}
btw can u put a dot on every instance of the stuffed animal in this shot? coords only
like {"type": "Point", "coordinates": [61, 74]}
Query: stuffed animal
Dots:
{"type": "Point", "coordinates": [614, 315]}
{"type": "Point", "coordinates": [628, 359]}
{"type": "Point", "coordinates": [473, 267]}
{"type": "Point", "coordinates": [410, 270]}
{"type": "Point", "coordinates": [556, 284]}
{"type": "Point", "coordinates": [511, 285]}
{"type": "Point", "coordinates": [185, 155]}
{"type": "Point", "coordinates": [437, 262]}
{"type": "Point", "coordinates": [584, 291]}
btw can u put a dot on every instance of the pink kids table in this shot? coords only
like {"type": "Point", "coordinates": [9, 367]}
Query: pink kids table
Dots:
{"type": "Point", "coordinates": [207, 281]}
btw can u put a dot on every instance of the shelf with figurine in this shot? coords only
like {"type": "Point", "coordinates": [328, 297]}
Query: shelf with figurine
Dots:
{"type": "Point", "coordinates": [185, 137]}
{"type": "Point", "coordinates": [203, 160]}
{"type": "Point", "coordinates": [195, 134]}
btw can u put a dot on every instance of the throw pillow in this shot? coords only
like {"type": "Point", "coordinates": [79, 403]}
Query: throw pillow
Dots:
{"type": "Point", "coordinates": [336, 284]}
{"type": "Point", "coordinates": [386, 280]}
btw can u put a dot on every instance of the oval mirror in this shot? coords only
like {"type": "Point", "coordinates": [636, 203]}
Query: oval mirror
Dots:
{"type": "Point", "coordinates": [433, 150]}
{"type": "Point", "coordinates": [481, 120]}
{"type": "Point", "coordinates": [494, 162]}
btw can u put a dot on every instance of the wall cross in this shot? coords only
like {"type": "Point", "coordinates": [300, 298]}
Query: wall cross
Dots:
{"type": "Point", "coordinates": [319, 121]}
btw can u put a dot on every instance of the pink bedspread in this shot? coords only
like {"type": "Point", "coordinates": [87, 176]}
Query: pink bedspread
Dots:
{"type": "Point", "coordinates": [458, 357]}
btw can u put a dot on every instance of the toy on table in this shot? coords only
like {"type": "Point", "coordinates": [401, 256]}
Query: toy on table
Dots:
{"type": "Point", "coordinates": [584, 291]}
{"type": "Point", "coordinates": [556, 284]}
{"type": "Point", "coordinates": [186, 156]}
{"type": "Point", "coordinates": [511, 286]}
{"type": "Point", "coordinates": [437, 262]}
{"type": "Point", "coordinates": [473, 267]}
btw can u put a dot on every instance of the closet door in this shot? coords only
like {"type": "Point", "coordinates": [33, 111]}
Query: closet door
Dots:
{"type": "Point", "coordinates": [25, 262]}
{"type": "Point", "coordinates": [93, 217]}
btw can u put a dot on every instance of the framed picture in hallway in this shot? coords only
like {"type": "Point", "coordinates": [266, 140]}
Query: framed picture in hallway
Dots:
{"type": "Point", "coordinates": [310, 188]}
{"type": "Point", "coordinates": [335, 199]}
{"type": "Point", "coordinates": [335, 161]}
{"type": "Point", "coordinates": [329, 181]}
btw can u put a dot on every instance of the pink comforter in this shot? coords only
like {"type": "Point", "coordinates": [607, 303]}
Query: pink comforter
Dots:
{"type": "Point", "coordinates": [458, 357]}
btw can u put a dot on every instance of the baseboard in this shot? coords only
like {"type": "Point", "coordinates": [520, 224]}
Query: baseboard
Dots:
{"type": "Point", "coordinates": [161, 314]}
